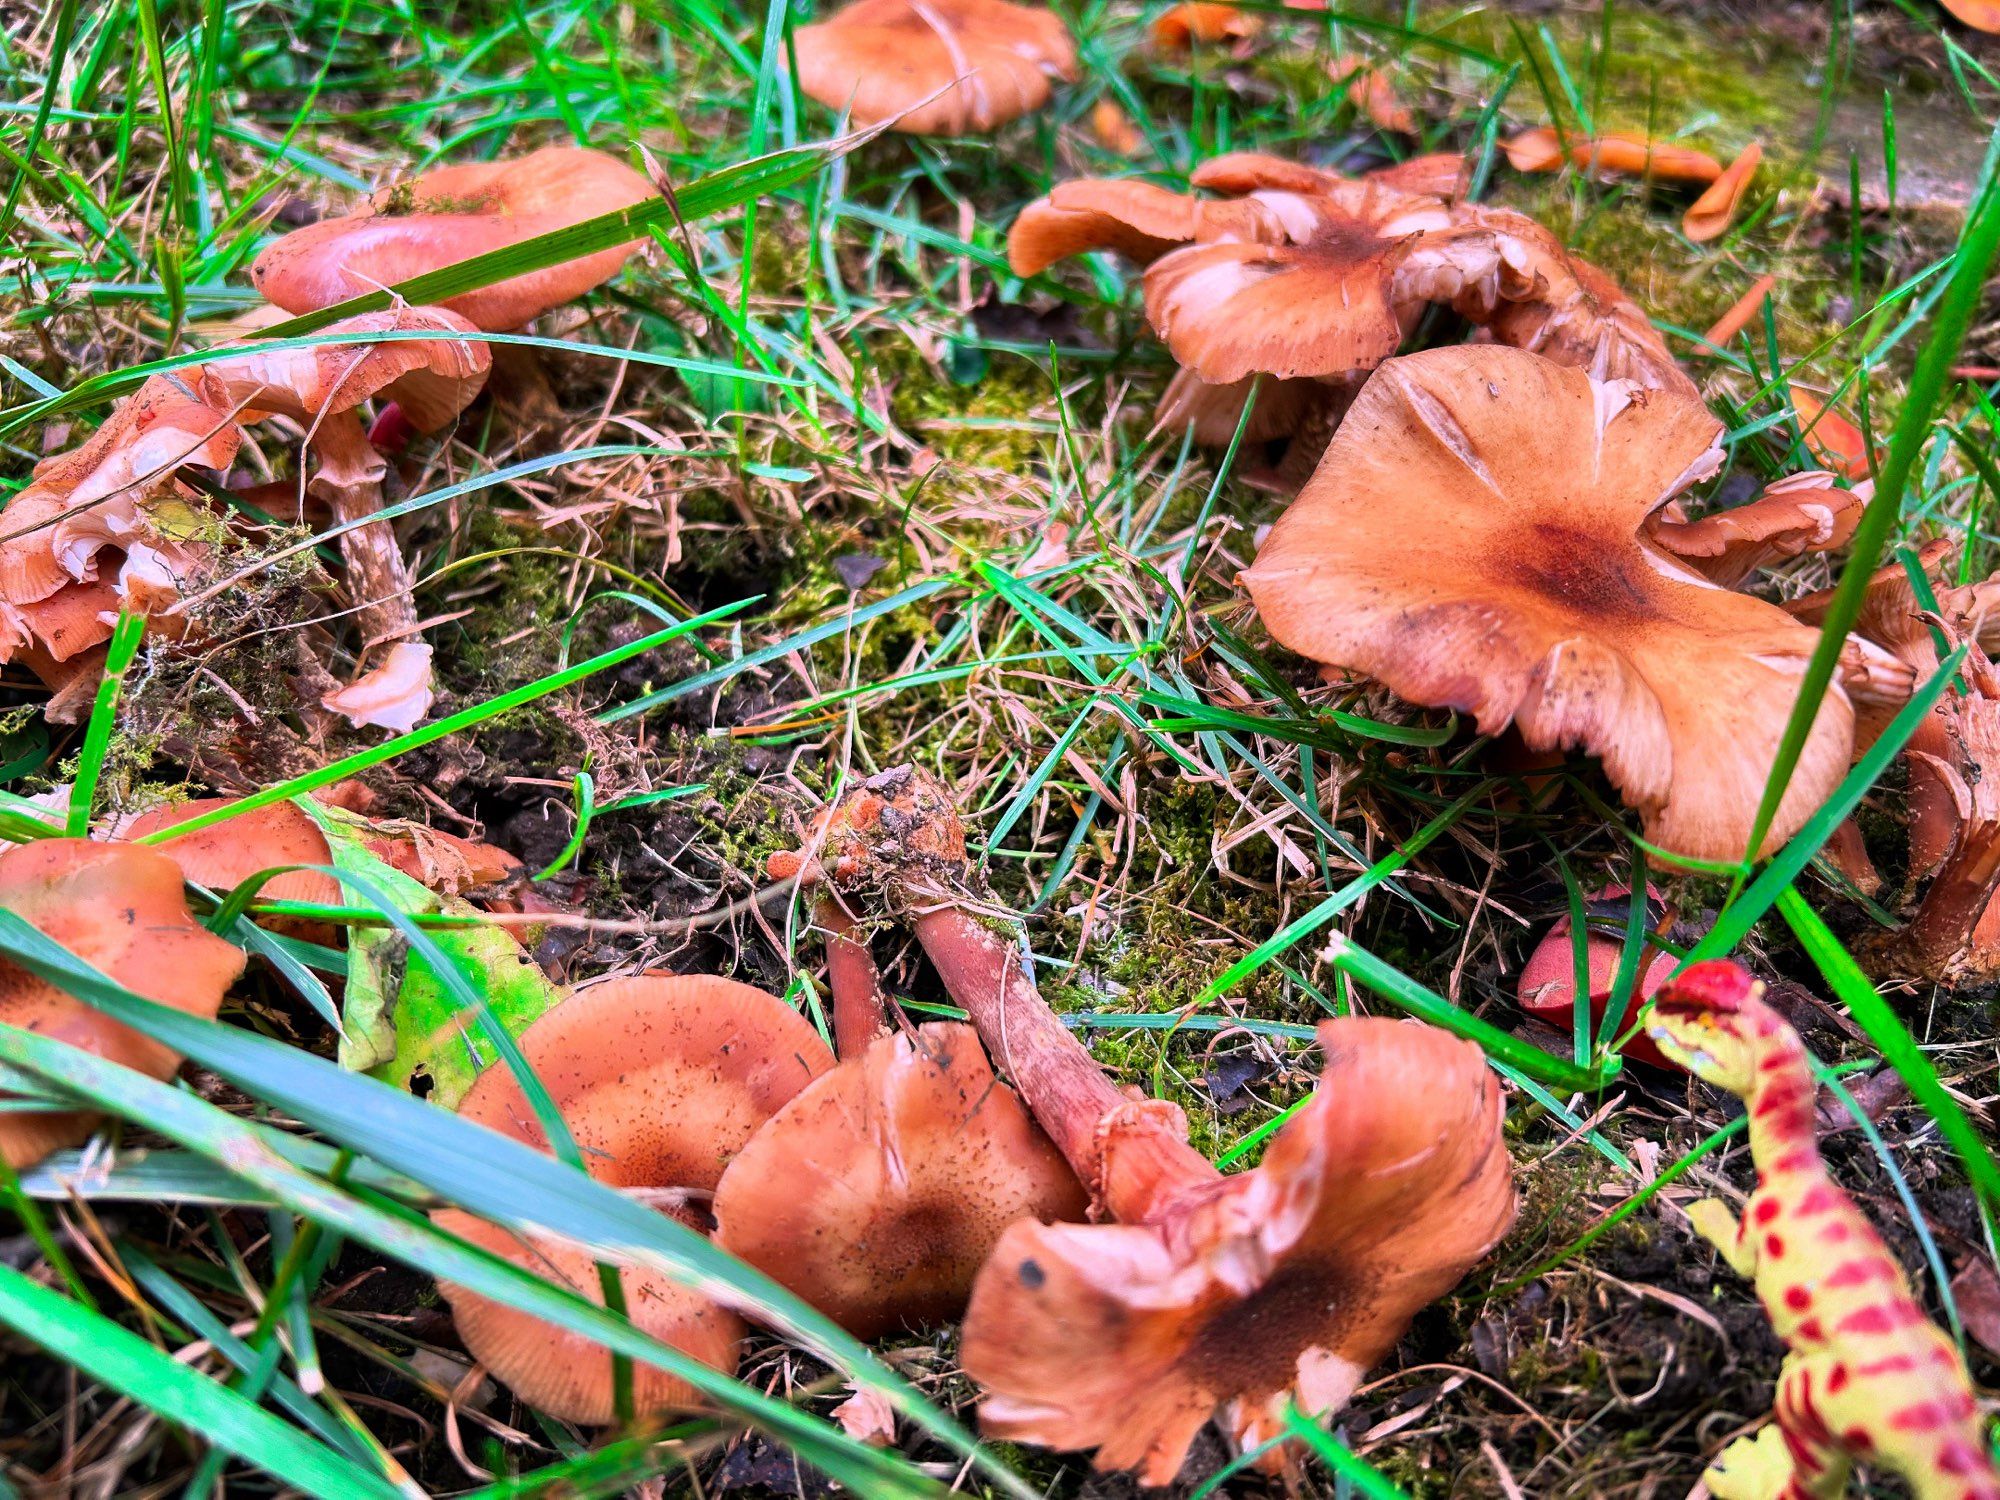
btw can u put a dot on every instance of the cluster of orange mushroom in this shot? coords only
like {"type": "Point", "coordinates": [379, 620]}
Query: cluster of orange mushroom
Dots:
{"type": "Point", "coordinates": [114, 525]}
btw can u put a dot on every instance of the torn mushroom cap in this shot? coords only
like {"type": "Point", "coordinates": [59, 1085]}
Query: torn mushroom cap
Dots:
{"type": "Point", "coordinates": [1546, 988]}
{"type": "Point", "coordinates": [120, 909]}
{"type": "Point", "coordinates": [1288, 1281]}
{"type": "Point", "coordinates": [431, 379]}
{"type": "Point", "coordinates": [1474, 540]}
{"type": "Point", "coordinates": [661, 1079]}
{"type": "Point", "coordinates": [1800, 513]}
{"type": "Point", "coordinates": [877, 1193]}
{"type": "Point", "coordinates": [453, 214]}
{"type": "Point", "coordinates": [934, 67]}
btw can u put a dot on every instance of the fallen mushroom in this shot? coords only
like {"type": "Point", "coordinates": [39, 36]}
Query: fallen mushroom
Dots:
{"type": "Point", "coordinates": [1545, 150]}
{"type": "Point", "coordinates": [431, 380]}
{"type": "Point", "coordinates": [1546, 988]}
{"type": "Point", "coordinates": [1800, 513]}
{"type": "Point", "coordinates": [1868, 1378]}
{"type": "Point", "coordinates": [1211, 1295]}
{"type": "Point", "coordinates": [1201, 22]}
{"type": "Point", "coordinates": [120, 909]}
{"type": "Point", "coordinates": [1831, 438]}
{"type": "Point", "coordinates": [661, 1079]}
{"type": "Point", "coordinates": [934, 67]}
{"type": "Point", "coordinates": [1710, 216]}
{"type": "Point", "coordinates": [1371, 93]}
{"type": "Point", "coordinates": [1475, 539]}
{"type": "Point", "coordinates": [120, 492]}
{"type": "Point", "coordinates": [879, 1190]}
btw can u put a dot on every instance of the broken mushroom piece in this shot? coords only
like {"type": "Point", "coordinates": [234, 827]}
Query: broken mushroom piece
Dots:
{"type": "Point", "coordinates": [431, 380]}
{"type": "Point", "coordinates": [1546, 988]}
{"type": "Point", "coordinates": [1710, 216]}
{"type": "Point", "coordinates": [1545, 150]}
{"type": "Point", "coordinates": [934, 67]}
{"type": "Point", "coordinates": [120, 909]}
{"type": "Point", "coordinates": [661, 1079]}
{"type": "Point", "coordinates": [1211, 1295]}
{"type": "Point", "coordinates": [877, 1193]}
{"type": "Point", "coordinates": [1475, 539]}
{"type": "Point", "coordinates": [119, 492]}
{"type": "Point", "coordinates": [1795, 515]}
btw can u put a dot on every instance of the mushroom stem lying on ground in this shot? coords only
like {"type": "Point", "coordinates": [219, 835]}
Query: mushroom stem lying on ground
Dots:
{"type": "Point", "coordinates": [1231, 1295]}
{"type": "Point", "coordinates": [879, 1192]}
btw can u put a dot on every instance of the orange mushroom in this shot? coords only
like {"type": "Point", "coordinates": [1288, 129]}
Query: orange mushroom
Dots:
{"type": "Point", "coordinates": [661, 1079]}
{"type": "Point", "coordinates": [934, 67]}
{"type": "Point", "coordinates": [1545, 150]}
{"type": "Point", "coordinates": [119, 492]}
{"type": "Point", "coordinates": [1475, 539]}
{"type": "Point", "coordinates": [120, 910]}
{"type": "Point", "coordinates": [1371, 93]}
{"type": "Point", "coordinates": [1210, 1294]}
{"type": "Point", "coordinates": [1980, 15]}
{"type": "Point", "coordinates": [431, 380]}
{"type": "Point", "coordinates": [877, 1193]}
{"type": "Point", "coordinates": [1546, 988]}
{"type": "Point", "coordinates": [1800, 513]}
{"type": "Point", "coordinates": [1114, 129]}
{"type": "Point", "coordinates": [452, 214]}
{"type": "Point", "coordinates": [1201, 23]}
{"type": "Point", "coordinates": [1712, 213]}
{"type": "Point", "coordinates": [1831, 438]}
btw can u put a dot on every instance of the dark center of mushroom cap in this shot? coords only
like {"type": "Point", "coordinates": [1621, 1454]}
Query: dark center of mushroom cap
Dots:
{"type": "Point", "coordinates": [1574, 570]}
{"type": "Point", "coordinates": [1249, 1347]}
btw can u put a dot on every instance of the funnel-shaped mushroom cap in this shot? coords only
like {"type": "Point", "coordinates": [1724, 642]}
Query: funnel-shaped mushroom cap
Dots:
{"type": "Point", "coordinates": [80, 501]}
{"type": "Point", "coordinates": [223, 856]}
{"type": "Point", "coordinates": [119, 909]}
{"type": "Point", "coordinates": [569, 1376]}
{"type": "Point", "coordinates": [878, 1192]}
{"type": "Point", "coordinates": [661, 1079]}
{"type": "Point", "coordinates": [1292, 1279]}
{"type": "Point", "coordinates": [1797, 514]}
{"type": "Point", "coordinates": [1474, 539]}
{"type": "Point", "coordinates": [453, 214]}
{"type": "Point", "coordinates": [934, 67]}
{"type": "Point", "coordinates": [432, 380]}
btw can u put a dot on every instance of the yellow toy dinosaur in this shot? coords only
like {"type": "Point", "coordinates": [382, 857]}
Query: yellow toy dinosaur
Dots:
{"type": "Point", "coordinates": [1869, 1378]}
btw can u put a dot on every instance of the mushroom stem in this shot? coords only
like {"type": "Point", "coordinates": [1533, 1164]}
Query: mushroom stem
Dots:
{"type": "Point", "coordinates": [350, 481]}
{"type": "Point", "coordinates": [1132, 1157]}
{"type": "Point", "coordinates": [860, 1010]}
{"type": "Point", "coordinates": [1943, 938]}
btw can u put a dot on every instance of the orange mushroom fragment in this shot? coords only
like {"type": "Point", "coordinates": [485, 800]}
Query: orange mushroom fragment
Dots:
{"type": "Point", "coordinates": [1201, 22]}
{"type": "Point", "coordinates": [1546, 988]}
{"type": "Point", "coordinates": [1831, 438]}
{"type": "Point", "coordinates": [1369, 90]}
{"type": "Point", "coordinates": [1545, 150]}
{"type": "Point", "coordinates": [878, 1192]}
{"type": "Point", "coordinates": [452, 214]}
{"type": "Point", "coordinates": [120, 909]}
{"type": "Point", "coordinates": [1114, 129]}
{"type": "Point", "coordinates": [431, 380]}
{"type": "Point", "coordinates": [661, 1079]}
{"type": "Point", "coordinates": [934, 67]}
{"type": "Point", "coordinates": [1742, 312]}
{"type": "Point", "coordinates": [1800, 513]}
{"type": "Point", "coordinates": [119, 492]}
{"type": "Point", "coordinates": [1212, 1294]}
{"type": "Point", "coordinates": [1710, 215]}
{"type": "Point", "coordinates": [1476, 539]}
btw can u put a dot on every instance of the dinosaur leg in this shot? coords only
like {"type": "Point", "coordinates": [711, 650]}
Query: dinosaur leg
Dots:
{"type": "Point", "coordinates": [1714, 1222]}
{"type": "Point", "coordinates": [1820, 1464]}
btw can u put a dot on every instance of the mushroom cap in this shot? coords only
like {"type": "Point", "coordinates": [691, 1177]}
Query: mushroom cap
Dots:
{"type": "Point", "coordinates": [1546, 988]}
{"type": "Point", "coordinates": [879, 1190]}
{"type": "Point", "coordinates": [1544, 150]}
{"type": "Point", "coordinates": [1138, 220]}
{"type": "Point", "coordinates": [934, 67]}
{"type": "Point", "coordinates": [1799, 513]}
{"type": "Point", "coordinates": [121, 910]}
{"type": "Point", "coordinates": [1181, 26]}
{"type": "Point", "coordinates": [661, 1079]}
{"type": "Point", "coordinates": [1980, 15]}
{"type": "Point", "coordinates": [1293, 1278]}
{"type": "Point", "coordinates": [1830, 437]}
{"type": "Point", "coordinates": [224, 855]}
{"type": "Point", "coordinates": [1474, 540]}
{"type": "Point", "coordinates": [569, 1376]}
{"type": "Point", "coordinates": [432, 380]}
{"type": "Point", "coordinates": [453, 214]}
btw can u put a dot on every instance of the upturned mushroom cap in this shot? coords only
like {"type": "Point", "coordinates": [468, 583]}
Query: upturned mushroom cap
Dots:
{"type": "Point", "coordinates": [1474, 539]}
{"type": "Point", "coordinates": [1800, 513]}
{"type": "Point", "coordinates": [453, 214]}
{"type": "Point", "coordinates": [877, 1193]}
{"type": "Point", "coordinates": [661, 1079]}
{"type": "Point", "coordinates": [432, 380]}
{"type": "Point", "coordinates": [119, 909]}
{"type": "Point", "coordinates": [934, 67]}
{"type": "Point", "coordinates": [1287, 1281]}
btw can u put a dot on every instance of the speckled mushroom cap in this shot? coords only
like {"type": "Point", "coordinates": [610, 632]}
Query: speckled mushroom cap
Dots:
{"type": "Point", "coordinates": [121, 910]}
{"type": "Point", "coordinates": [661, 1079]}
{"type": "Point", "coordinates": [878, 1192]}
{"type": "Point", "coordinates": [433, 380]}
{"type": "Point", "coordinates": [452, 214]}
{"type": "Point", "coordinates": [1474, 539]}
{"type": "Point", "coordinates": [934, 67]}
{"type": "Point", "coordinates": [223, 856]}
{"type": "Point", "coordinates": [1284, 1282]}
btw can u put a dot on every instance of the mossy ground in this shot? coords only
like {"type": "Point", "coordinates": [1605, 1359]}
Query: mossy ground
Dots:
{"type": "Point", "coordinates": [929, 414]}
